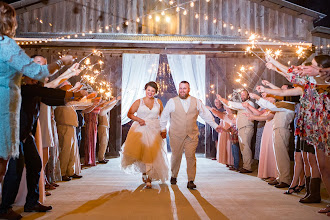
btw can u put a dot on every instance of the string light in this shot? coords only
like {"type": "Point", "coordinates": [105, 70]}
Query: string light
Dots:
{"type": "Point", "coordinates": [157, 18]}
{"type": "Point", "coordinates": [185, 12]}
{"type": "Point", "coordinates": [168, 19]}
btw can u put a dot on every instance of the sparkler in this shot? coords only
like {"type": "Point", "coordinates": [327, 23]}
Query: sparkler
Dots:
{"type": "Point", "coordinates": [300, 51]}
{"type": "Point", "coordinates": [95, 52]}
{"type": "Point", "coordinates": [248, 49]}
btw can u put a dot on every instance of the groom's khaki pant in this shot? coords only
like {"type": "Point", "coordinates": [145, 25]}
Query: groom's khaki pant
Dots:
{"type": "Point", "coordinates": [189, 146]}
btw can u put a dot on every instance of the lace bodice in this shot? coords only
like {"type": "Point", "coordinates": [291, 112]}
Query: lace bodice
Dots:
{"type": "Point", "coordinates": [145, 113]}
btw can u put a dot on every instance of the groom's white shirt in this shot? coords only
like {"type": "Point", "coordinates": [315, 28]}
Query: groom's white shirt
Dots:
{"type": "Point", "coordinates": [204, 113]}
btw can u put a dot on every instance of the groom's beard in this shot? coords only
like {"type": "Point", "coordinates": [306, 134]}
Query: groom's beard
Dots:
{"type": "Point", "coordinates": [183, 96]}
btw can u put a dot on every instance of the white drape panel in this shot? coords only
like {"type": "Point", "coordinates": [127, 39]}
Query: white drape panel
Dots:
{"type": "Point", "coordinates": [190, 68]}
{"type": "Point", "coordinates": [138, 69]}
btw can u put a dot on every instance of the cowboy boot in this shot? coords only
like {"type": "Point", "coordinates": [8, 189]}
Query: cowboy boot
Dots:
{"type": "Point", "coordinates": [314, 196]}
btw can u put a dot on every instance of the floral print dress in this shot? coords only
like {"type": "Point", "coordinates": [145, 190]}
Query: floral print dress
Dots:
{"type": "Point", "coordinates": [313, 119]}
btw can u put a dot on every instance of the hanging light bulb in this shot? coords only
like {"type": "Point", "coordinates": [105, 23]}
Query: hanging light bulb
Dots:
{"type": "Point", "coordinates": [208, 0]}
{"type": "Point", "coordinates": [83, 34]}
{"type": "Point", "coordinates": [138, 20]}
{"type": "Point", "coordinates": [192, 4]}
{"type": "Point", "coordinates": [118, 28]}
{"type": "Point", "coordinates": [196, 16]}
{"type": "Point", "coordinates": [177, 9]}
{"type": "Point", "coordinates": [214, 20]}
{"type": "Point", "coordinates": [107, 27]}
{"type": "Point", "coordinates": [185, 12]}
{"type": "Point", "coordinates": [171, 2]}
{"type": "Point", "coordinates": [157, 18]}
{"type": "Point", "coordinates": [126, 22]}
{"type": "Point", "coordinates": [224, 25]}
{"type": "Point", "coordinates": [163, 13]}
{"type": "Point", "coordinates": [168, 19]}
{"type": "Point", "coordinates": [150, 17]}
{"type": "Point", "coordinates": [206, 17]}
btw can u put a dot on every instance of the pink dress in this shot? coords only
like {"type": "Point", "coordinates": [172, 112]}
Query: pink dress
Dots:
{"type": "Point", "coordinates": [267, 162]}
{"type": "Point", "coordinates": [91, 136]}
{"type": "Point", "coordinates": [224, 153]}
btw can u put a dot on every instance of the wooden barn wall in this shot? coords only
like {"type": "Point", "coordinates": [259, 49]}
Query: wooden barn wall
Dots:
{"type": "Point", "coordinates": [77, 16]}
{"type": "Point", "coordinates": [322, 44]}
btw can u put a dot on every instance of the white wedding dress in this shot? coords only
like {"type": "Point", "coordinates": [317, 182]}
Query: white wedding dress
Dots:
{"type": "Point", "coordinates": [144, 150]}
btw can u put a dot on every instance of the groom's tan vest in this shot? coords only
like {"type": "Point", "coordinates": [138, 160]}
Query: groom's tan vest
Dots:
{"type": "Point", "coordinates": [184, 124]}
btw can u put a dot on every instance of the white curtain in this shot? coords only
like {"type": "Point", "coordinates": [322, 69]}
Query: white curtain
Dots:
{"type": "Point", "coordinates": [138, 69]}
{"type": "Point", "coordinates": [190, 68]}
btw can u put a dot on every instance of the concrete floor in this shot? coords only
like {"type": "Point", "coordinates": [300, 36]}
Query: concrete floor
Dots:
{"type": "Point", "coordinates": [106, 192]}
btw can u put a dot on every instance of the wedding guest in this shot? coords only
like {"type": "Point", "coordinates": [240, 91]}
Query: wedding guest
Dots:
{"type": "Point", "coordinates": [90, 117]}
{"type": "Point", "coordinates": [224, 152]}
{"type": "Point", "coordinates": [245, 129]}
{"type": "Point", "coordinates": [182, 112]}
{"type": "Point", "coordinates": [32, 94]}
{"type": "Point", "coordinates": [66, 122]}
{"type": "Point", "coordinates": [234, 145]}
{"type": "Point", "coordinates": [284, 114]}
{"type": "Point", "coordinates": [314, 93]}
{"type": "Point", "coordinates": [267, 162]}
{"type": "Point", "coordinates": [215, 136]}
{"type": "Point", "coordinates": [14, 63]}
{"type": "Point", "coordinates": [298, 181]}
{"type": "Point", "coordinates": [310, 197]}
{"type": "Point", "coordinates": [103, 128]}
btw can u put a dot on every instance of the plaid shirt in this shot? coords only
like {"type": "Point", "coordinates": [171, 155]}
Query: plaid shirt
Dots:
{"type": "Point", "coordinates": [233, 134]}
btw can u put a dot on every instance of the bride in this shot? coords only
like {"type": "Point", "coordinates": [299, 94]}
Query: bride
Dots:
{"type": "Point", "coordinates": [144, 150]}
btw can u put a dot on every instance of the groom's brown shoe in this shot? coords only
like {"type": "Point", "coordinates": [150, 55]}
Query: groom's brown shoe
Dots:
{"type": "Point", "coordinates": [173, 180]}
{"type": "Point", "coordinates": [191, 185]}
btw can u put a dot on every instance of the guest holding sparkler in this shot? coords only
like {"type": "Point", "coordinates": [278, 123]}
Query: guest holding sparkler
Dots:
{"type": "Point", "coordinates": [245, 129]}
{"type": "Point", "coordinates": [314, 109]}
{"type": "Point", "coordinates": [13, 64]}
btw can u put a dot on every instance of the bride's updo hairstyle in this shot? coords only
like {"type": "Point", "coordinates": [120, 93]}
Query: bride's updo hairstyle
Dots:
{"type": "Point", "coordinates": [8, 23]}
{"type": "Point", "coordinates": [151, 84]}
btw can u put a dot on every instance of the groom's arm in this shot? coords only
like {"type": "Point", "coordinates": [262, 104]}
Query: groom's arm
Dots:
{"type": "Point", "coordinates": [165, 116]}
{"type": "Point", "coordinates": [206, 114]}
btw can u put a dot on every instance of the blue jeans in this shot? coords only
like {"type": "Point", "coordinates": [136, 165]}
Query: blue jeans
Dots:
{"type": "Point", "coordinates": [30, 156]}
{"type": "Point", "coordinates": [235, 151]}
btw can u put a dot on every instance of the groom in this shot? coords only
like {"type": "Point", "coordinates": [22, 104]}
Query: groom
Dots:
{"type": "Point", "coordinates": [182, 111]}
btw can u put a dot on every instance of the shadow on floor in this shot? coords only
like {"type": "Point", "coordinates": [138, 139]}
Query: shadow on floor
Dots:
{"type": "Point", "coordinates": [160, 202]}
